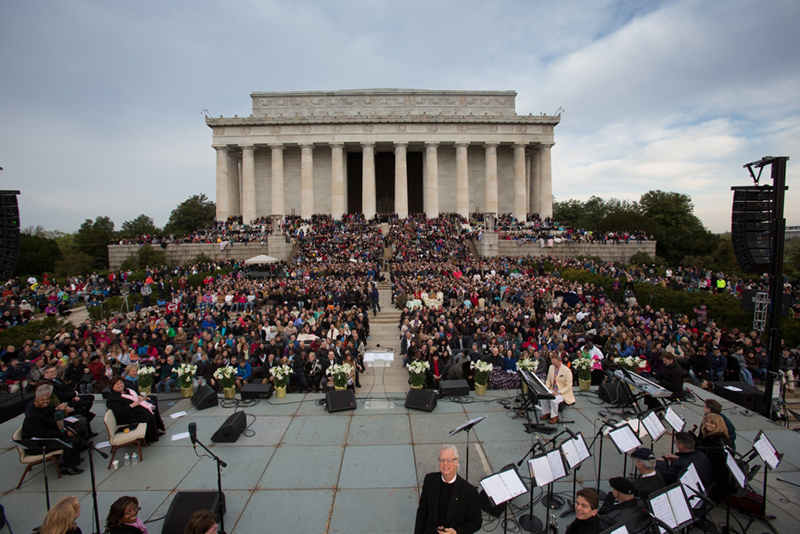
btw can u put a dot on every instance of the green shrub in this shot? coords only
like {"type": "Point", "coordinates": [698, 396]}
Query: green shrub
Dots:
{"type": "Point", "coordinates": [33, 330]}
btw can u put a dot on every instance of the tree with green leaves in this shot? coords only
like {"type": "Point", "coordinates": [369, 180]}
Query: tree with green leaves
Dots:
{"type": "Point", "coordinates": [141, 225]}
{"type": "Point", "coordinates": [37, 255]}
{"type": "Point", "coordinates": [682, 232]}
{"type": "Point", "coordinates": [93, 239]}
{"type": "Point", "coordinates": [195, 213]}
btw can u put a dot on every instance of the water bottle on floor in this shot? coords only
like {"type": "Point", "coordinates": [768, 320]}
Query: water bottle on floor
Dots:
{"type": "Point", "coordinates": [126, 460]}
{"type": "Point", "coordinates": [135, 459]}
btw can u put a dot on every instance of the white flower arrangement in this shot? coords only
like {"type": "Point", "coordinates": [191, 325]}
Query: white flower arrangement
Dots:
{"type": "Point", "coordinates": [417, 370]}
{"type": "Point", "coordinates": [145, 376]}
{"type": "Point", "coordinates": [281, 373]}
{"type": "Point", "coordinates": [482, 370]}
{"type": "Point", "coordinates": [226, 375]}
{"type": "Point", "coordinates": [185, 374]}
{"type": "Point", "coordinates": [528, 365]}
{"type": "Point", "coordinates": [632, 363]}
{"type": "Point", "coordinates": [583, 366]}
{"type": "Point", "coordinates": [340, 374]}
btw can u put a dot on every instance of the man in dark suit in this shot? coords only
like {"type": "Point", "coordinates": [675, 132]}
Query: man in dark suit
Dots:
{"type": "Point", "coordinates": [622, 505]}
{"type": "Point", "coordinates": [649, 479]}
{"type": "Point", "coordinates": [449, 504]}
{"type": "Point", "coordinates": [40, 422]}
{"type": "Point", "coordinates": [685, 443]}
{"type": "Point", "coordinates": [82, 404]}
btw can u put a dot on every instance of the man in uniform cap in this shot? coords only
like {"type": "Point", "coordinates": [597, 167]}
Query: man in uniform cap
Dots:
{"type": "Point", "coordinates": [622, 505]}
{"type": "Point", "coordinates": [649, 479]}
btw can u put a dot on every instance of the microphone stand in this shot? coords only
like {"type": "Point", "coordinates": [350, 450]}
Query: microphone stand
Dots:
{"type": "Point", "coordinates": [530, 522]}
{"type": "Point", "coordinates": [90, 448]}
{"type": "Point", "coordinates": [220, 465]}
{"type": "Point", "coordinates": [600, 494]}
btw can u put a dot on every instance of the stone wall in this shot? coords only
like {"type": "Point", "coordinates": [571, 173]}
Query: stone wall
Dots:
{"type": "Point", "coordinates": [179, 254]}
{"type": "Point", "coordinates": [610, 252]}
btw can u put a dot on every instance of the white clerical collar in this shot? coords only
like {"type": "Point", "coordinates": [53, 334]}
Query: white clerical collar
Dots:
{"type": "Point", "coordinates": [646, 475]}
{"type": "Point", "coordinates": [451, 482]}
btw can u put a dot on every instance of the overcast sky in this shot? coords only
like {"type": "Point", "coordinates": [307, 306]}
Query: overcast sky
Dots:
{"type": "Point", "coordinates": [100, 101]}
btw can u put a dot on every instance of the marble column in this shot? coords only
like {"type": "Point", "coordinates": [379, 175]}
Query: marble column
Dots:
{"type": "Point", "coordinates": [368, 200]}
{"type": "Point", "coordinates": [528, 178]}
{"type": "Point", "coordinates": [248, 184]}
{"type": "Point", "coordinates": [223, 189]}
{"type": "Point", "coordinates": [400, 180]}
{"type": "Point", "coordinates": [432, 180]}
{"type": "Point", "coordinates": [337, 180]}
{"type": "Point", "coordinates": [277, 180]}
{"type": "Point", "coordinates": [306, 181]}
{"type": "Point", "coordinates": [536, 194]}
{"type": "Point", "coordinates": [545, 182]}
{"type": "Point", "coordinates": [491, 178]}
{"type": "Point", "coordinates": [519, 183]}
{"type": "Point", "coordinates": [234, 189]}
{"type": "Point", "coordinates": [462, 180]}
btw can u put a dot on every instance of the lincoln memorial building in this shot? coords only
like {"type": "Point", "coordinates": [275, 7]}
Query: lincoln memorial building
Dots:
{"type": "Point", "coordinates": [382, 151]}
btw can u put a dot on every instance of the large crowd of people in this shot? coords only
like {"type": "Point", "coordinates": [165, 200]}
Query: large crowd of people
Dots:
{"type": "Point", "coordinates": [314, 313]}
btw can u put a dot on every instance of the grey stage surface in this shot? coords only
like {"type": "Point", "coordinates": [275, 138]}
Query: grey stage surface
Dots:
{"type": "Point", "coordinates": [305, 470]}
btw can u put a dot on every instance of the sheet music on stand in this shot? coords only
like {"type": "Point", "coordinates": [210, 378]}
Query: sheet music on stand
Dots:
{"type": "Point", "coordinates": [735, 470]}
{"type": "Point", "coordinates": [654, 426]}
{"type": "Point", "coordinates": [619, 528]}
{"type": "Point", "coordinates": [575, 451]}
{"type": "Point", "coordinates": [671, 507]}
{"type": "Point", "coordinates": [634, 424]}
{"type": "Point", "coordinates": [624, 438]}
{"type": "Point", "coordinates": [468, 423]}
{"type": "Point", "coordinates": [547, 468]}
{"type": "Point", "coordinates": [693, 485]}
{"type": "Point", "coordinates": [675, 421]}
{"type": "Point", "coordinates": [769, 454]}
{"type": "Point", "coordinates": [503, 486]}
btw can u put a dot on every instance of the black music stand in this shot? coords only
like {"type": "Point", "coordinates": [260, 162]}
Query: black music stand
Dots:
{"type": "Point", "coordinates": [670, 507]}
{"type": "Point", "coordinates": [734, 474]}
{"type": "Point", "coordinates": [626, 440]}
{"type": "Point", "coordinates": [546, 469]}
{"type": "Point", "coordinates": [501, 488]}
{"type": "Point", "coordinates": [467, 427]}
{"type": "Point", "coordinates": [763, 447]}
{"type": "Point", "coordinates": [575, 452]}
{"type": "Point", "coordinates": [43, 445]}
{"type": "Point", "coordinates": [536, 391]}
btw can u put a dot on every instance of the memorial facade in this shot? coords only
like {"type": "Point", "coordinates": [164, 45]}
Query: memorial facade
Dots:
{"type": "Point", "coordinates": [382, 151]}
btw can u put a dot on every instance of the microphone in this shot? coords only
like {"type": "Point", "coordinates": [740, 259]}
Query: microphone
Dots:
{"type": "Point", "coordinates": [541, 445]}
{"type": "Point", "coordinates": [59, 415]}
{"type": "Point", "coordinates": [570, 432]}
{"type": "Point", "coordinates": [193, 434]}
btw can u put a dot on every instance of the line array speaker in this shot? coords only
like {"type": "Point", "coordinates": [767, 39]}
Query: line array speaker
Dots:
{"type": "Point", "coordinates": [9, 233]}
{"type": "Point", "coordinates": [751, 234]}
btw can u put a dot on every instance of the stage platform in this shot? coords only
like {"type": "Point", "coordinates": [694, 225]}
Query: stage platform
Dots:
{"type": "Point", "coordinates": [301, 469]}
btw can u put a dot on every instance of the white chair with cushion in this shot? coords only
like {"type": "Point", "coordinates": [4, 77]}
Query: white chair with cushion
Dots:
{"type": "Point", "coordinates": [30, 459]}
{"type": "Point", "coordinates": [118, 438]}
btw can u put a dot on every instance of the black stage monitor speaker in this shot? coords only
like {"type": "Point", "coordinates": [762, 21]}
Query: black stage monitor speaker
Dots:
{"type": "Point", "coordinates": [336, 401]}
{"type": "Point", "coordinates": [612, 392]}
{"type": "Point", "coordinates": [9, 233]}
{"type": "Point", "coordinates": [184, 505]}
{"type": "Point", "coordinates": [205, 397]}
{"type": "Point", "coordinates": [231, 429]}
{"type": "Point", "coordinates": [454, 388]}
{"type": "Point", "coordinates": [421, 399]}
{"type": "Point", "coordinates": [256, 391]}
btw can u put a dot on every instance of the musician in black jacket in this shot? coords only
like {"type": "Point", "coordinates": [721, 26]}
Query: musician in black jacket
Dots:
{"type": "Point", "coordinates": [40, 422]}
{"type": "Point", "coordinates": [649, 479]}
{"type": "Point", "coordinates": [671, 378]}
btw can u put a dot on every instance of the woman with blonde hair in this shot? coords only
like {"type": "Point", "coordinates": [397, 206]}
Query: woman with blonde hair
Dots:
{"type": "Point", "coordinates": [713, 440]}
{"type": "Point", "coordinates": [61, 517]}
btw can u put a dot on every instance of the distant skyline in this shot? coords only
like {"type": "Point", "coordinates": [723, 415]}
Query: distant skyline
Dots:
{"type": "Point", "coordinates": [101, 103]}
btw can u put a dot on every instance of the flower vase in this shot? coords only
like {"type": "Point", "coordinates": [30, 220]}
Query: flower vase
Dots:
{"type": "Point", "coordinates": [524, 387]}
{"type": "Point", "coordinates": [416, 387]}
{"type": "Point", "coordinates": [585, 385]}
{"type": "Point", "coordinates": [480, 389]}
{"type": "Point", "coordinates": [230, 393]}
{"type": "Point", "coordinates": [145, 391]}
{"type": "Point", "coordinates": [340, 388]}
{"type": "Point", "coordinates": [280, 392]}
{"type": "Point", "coordinates": [187, 392]}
